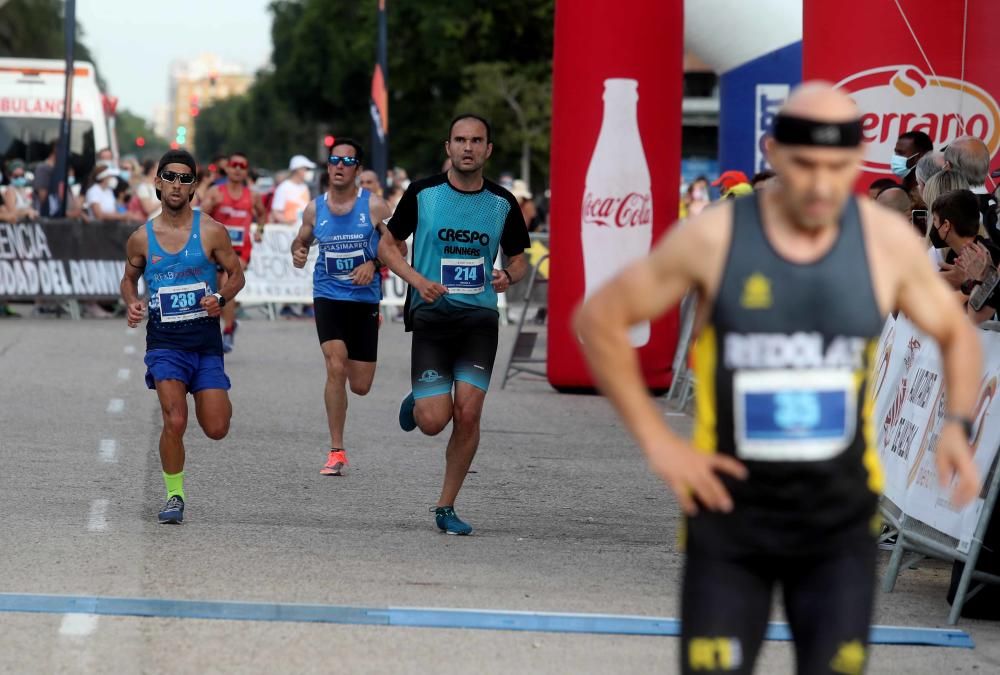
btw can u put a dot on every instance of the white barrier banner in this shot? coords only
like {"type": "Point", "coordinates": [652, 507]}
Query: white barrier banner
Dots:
{"type": "Point", "coordinates": [271, 277]}
{"type": "Point", "coordinates": [910, 404]}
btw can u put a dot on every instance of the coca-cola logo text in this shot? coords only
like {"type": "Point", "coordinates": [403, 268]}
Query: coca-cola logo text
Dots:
{"type": "Point", "coordinates": [632, 210]}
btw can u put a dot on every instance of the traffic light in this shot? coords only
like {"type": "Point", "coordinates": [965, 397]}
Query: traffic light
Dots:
{"type": "Point", "coordinates": [140, 142]}
{"type": "Point", "coordinates": [174, 145]}
{"type": "Point", "coordinates": [181, 134]}
{"type": "Point", "coordinates": [328, 141]}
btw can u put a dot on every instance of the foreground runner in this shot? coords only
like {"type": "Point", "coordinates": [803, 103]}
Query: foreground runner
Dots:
{"type": "Point", "coordinates": [782, 483]}
{"type": "Point", "coordinates": [459, 222]}
{"type": "Point", "coordinates": [346, 222]}
{"type": "Point", "coordinates": [176, 254]}
{"type": "Point", "coordinates": [234, 205]}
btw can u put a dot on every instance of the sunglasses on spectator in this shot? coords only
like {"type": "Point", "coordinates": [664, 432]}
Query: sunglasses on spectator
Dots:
{"type": "Point", "coordinates": [173, 177]}
{"type": "Point", "coordinates": [334, 160]}
{"type": "Point", "coordinates": [238, 164]}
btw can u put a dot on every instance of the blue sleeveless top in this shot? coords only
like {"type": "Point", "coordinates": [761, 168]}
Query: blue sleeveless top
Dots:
{"type": "Point", "coordinates": [176, 283]}
{"type": "Point", "coordinates": [345, 243]}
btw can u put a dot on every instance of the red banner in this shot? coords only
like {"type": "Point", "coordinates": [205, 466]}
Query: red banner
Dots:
{"type": "Point", "coordinates": [911, 65]}
{"type": "Point", "coordinates": [616, 133]}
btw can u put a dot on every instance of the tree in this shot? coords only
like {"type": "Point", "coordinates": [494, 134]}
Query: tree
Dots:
{"type": "Point", "coordinates": [518, 98]}
{"type": "Point", "coordinates": [323, 56]}
{"type": "Point", "coordinates": [129, 127]}
{"type": "Point", "coordinates": [34, 29]}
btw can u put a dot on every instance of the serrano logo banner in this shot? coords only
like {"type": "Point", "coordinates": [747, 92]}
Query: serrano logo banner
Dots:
{"type": "Point", "coordinates": [898, 99]}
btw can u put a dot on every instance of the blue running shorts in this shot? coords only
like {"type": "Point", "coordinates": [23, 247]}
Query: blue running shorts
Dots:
{"type": "Point", "coordinates": [197, 371]}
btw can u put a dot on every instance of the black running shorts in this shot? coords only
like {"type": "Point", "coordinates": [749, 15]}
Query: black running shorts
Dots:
{"type": "Point", "coordinates": [353, 323]}
{"type": "Point", "coordinates": [726, 602]}
{"type": "Point", "coordinates": [462, 347]}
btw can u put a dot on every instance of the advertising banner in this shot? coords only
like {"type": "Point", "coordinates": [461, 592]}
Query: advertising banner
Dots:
{"type": "Point", "coordinates": [918, 65]}
{"type": "Point", "coordinates": [616, 136]}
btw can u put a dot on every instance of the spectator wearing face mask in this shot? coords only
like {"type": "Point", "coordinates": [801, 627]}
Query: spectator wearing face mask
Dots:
{"type": "Point", "coordinates": [17, 195]}
{"type": "Point", "coordinates": [292, 196]}
{"type": "Point", "coordinates": [954, 227]}
{"type": "Point", "coordinates": [696, 197]}
{"type": "Point", "coordinates": [100, 199]}
{"type": "Point", "coordinates": [909, 148]}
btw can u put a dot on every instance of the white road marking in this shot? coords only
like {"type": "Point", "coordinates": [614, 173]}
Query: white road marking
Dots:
{"type": "Point", "coordinates": [97, 521]}
{"type": "Point", "coordinates": [78, 625]}
{"type": "Point", "coordinates": [116, 405]}
{"type": "Point", "coordinates": [130, 349]}
{"type": "Point", "coordinates": [123, 373]}
{"type": "Point", "coordinates": [109, 450]}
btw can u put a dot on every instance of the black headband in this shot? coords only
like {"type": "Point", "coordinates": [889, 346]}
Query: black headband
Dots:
{"type": "Point", "coordinates": [789, 130]}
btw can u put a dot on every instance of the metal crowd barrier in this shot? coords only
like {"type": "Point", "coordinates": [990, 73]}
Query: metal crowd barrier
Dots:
{"type": "Point", "coordinates": [522, 359]}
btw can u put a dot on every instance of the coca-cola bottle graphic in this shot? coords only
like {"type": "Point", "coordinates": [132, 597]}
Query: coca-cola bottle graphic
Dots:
{"type": "Point", "coordinates": [617, 222]}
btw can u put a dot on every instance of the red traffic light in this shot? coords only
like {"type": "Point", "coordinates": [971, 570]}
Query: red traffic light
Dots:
{"type": "Point", "coordinates": [194, 111]}
{"type": "Point", "coordinates": [328, 141]}
{"type": "Point", "coordinates": [174, 145]}
{"type": "Point", "coordinates": [140, 142]}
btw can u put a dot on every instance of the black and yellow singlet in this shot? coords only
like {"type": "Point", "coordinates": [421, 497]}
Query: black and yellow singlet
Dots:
{"type": "Point", "coordinates": [782, 367]}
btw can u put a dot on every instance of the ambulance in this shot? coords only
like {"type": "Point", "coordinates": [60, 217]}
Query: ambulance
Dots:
{"type": "Point", "coordinates": [32, 94]}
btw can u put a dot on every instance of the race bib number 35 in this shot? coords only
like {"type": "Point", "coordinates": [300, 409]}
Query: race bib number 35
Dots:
{"type": "Point", "coordinates": [182, 303]}
{"type": "Point", "coordinates": [794, 416]}
{"type": "Point", "coordinates": [341, 264]}
{"type": "Point", "coordinates": [461, 275]}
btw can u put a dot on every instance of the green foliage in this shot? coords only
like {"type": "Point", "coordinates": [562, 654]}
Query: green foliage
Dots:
{"type": "Point", "coordinates": [444, 57]}
{"type": "Point", "coordinates": [33, 29]}
{"type": "Point", "coordinates": [128, 127]}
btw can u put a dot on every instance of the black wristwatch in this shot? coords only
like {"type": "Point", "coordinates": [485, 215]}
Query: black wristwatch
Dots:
{"type": "Point", "coordinates": [510, 280]}
{"type": "Point", "coordinates": [966, 423]}
{"type": "Point", "coordinates": [221, 298]}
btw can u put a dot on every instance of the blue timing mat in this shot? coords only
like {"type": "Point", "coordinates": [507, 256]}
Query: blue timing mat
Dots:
{"type": "Point", "coordinates": [481, 619]}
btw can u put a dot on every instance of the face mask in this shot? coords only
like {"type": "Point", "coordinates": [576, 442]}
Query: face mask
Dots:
{"type": "Point", "coordinates": [71, 180]}
{"type": "Point", "coordinates": [937, 241]}
{"type": "Point", "coordinates": [112, 183]}
{"type": "Point", "coordinates": [125, 175]}
{"type": "Point", "coordinates": [700, 195]}
{"type": "Point", "coordinates": [310, 176]}
{"type": "Point", "coordinates": [898, 165]}
{"type": "Point", "coordinates": [20, 181]}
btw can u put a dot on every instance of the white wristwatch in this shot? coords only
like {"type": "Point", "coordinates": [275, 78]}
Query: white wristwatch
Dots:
{"type": "Point", "coordinates": [220, 298]}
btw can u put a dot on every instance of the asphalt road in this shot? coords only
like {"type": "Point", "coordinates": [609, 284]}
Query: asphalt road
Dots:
{"type": "Point", "coordinates": [567, 519]}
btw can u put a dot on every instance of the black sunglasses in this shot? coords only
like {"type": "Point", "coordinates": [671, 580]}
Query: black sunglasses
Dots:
{"type": "Point", "coordinates": [334, 160]}
{"type": "Point", "coordinates": [173, 177]}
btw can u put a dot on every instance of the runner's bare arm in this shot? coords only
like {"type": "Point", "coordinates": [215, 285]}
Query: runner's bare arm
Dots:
{"type": "Point", "coordinates": [931, 305]}
{"type": "Point", "coordinates": [224, 255]}
{"type": "Point", "coordinates": [389, 253]}
{"type": "Point", "coordinates": [212, 200]}
{"type": "Point", "coordinates": [135, 265]}
{"type": "Point", "coordinates": [517, 267]}
{"type": "Point", "coordinates": [259, 216]}
{"type": "Point", "coordinates": [302, 241]}
{"type": "Point", "coordinates": [381, 213]}
{"type": "Point", "coordinates": [644, 291]}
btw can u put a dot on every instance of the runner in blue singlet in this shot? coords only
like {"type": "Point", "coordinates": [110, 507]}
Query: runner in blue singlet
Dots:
{"type": "Point", "coordinates": [176, 254]}
{"type": "Point", "coordinates": [347, 223]}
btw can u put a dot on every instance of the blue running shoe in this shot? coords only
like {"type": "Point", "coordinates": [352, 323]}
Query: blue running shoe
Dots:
{"type": "Point", "coordinates": [227, 343]}
{"type": "Point", "coordinates": [407, 422]}
{"type": "Point", "coordinates": [173, 512]}
{"type": "Point", "coordinates": [449, 522]}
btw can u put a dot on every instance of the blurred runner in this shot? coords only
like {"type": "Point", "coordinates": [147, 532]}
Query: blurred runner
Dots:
{"type": "Point", "coordinates": [234, 205]}
{"type": "Point", "coordinates": [782, 480]}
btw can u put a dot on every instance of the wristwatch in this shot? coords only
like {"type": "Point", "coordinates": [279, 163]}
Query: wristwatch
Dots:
{"type": "Point", "coordinates": [510, 280]}
{"type": "Point", "coordinates": [221, 298]}
{"type": "Point", "coordinates": [966, 423]}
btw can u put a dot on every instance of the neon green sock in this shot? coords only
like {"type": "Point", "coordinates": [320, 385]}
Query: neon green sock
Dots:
{"type": "Point", "coordinates": [175, 484]}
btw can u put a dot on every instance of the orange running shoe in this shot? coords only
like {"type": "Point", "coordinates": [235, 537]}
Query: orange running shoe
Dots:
{"type": "Point", "coordinates": [335, 463]}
